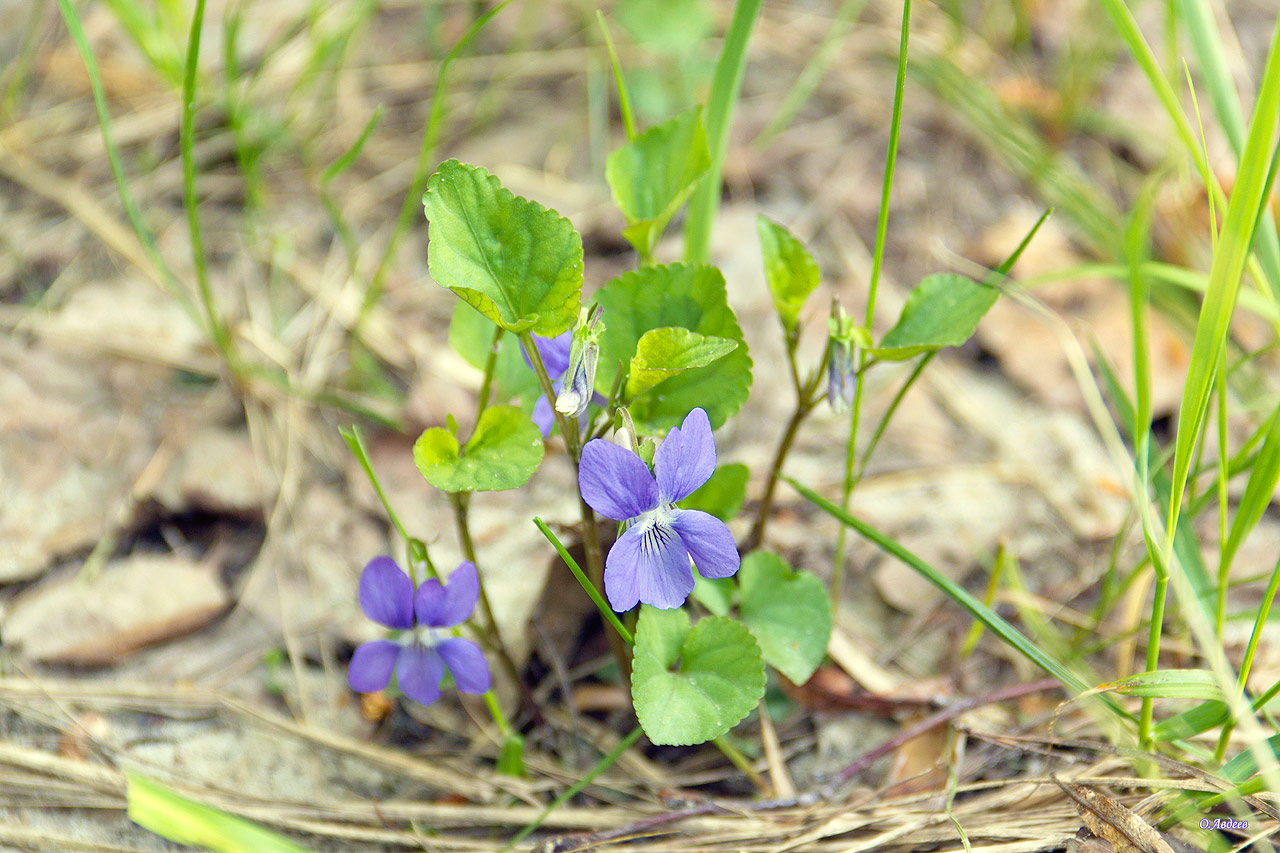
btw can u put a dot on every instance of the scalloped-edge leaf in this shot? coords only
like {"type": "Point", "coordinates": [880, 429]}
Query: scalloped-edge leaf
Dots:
{"type": "Point", "coordinates": [513, 260]}
{"type": "Point", "coordinates": [662, 353]}
{"type": "Point", "coordinates": [690, 685]}
{"type": "Point", "coordinates": [789, 270]}
{"type": "Point", "coordinates": [943, 310]}
{"type": "Point", "coordinates": [653, 175]}
{"type": "Point", "coordinates": [689, 296]}
{"type": "Point", "coordinates": [788, 613]}
{"type": "Point", "coordinates": [502, 453]}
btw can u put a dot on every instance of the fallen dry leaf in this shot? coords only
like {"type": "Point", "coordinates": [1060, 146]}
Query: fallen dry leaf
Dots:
{"type": "Point", "coordinates": [132, 603]}
{"type": "Point", "coordinates": [1112, 822]}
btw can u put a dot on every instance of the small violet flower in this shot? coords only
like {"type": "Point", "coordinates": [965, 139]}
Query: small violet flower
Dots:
{"type": "Point", "coordinates": [425, 646]}
{"type": "Point", "coordinates": [650, 560]}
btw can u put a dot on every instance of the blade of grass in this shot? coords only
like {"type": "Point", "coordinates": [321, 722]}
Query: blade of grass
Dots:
{"type": "Point", "coordinates": [176, 818]}
{"type": "Point", "coordinates": [624, 97]}
{"type": "Point", "coordinates": [993, 622]}
{"type": "Point", "coordinates": [725, 85]}
{"type": "Point", "coordinates": [426, 150]}
{"type": "Point", "coordinates": [186, 148]}
{"type": "Point", "coordinates": [605, 610]}
{"type": "Point", "coordinates": [814, 70]}
{"type": "Point", "coordinates": [1226, 272]}
{"type": "Point", "coordinates": [1206, 42]}
{"type": "Point", "coordinates": [145, 235]}
{"type": "Point", "coordinates": [575, 789]}
{"type": "Point", "coordinates": [877, 263]}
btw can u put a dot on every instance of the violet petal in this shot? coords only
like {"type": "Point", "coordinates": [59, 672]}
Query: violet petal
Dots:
{"type": "Point", "coordinates": [709, 542]}
{"type": "Point", "coordinates": [648, 564]}
{"type": "Point", "coordinates": [467, 663]}
{"type": "Point", "coordinates": [371, 666]}
{"type": "Point", "coordinates": [554, 353]}
{"type": "Point", "coordinates": [686, 458]}
{"type": "Point", "coordinates": [386, 594]}
{"type": "Point", "coordinates": [615, 482]}
{"type": "Point", "coordinates": [419, 671]}
{"type": "Point", "coordinates": [450, 604]}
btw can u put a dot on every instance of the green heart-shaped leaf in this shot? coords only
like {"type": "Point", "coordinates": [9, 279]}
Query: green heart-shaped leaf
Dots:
{"type": "Point", "coordinates": [942, 311]}
{"type": "Point", "coordinates": [513, 260]}
{"type": "Point", "coordinates": [788, 612]}
{"type": "Point", "coordinates": [501, 454]}
{"type": "Point", "coordinates": [789, 269]}
{"type": "Point", "coordinates": [653, 175]}
{"type": "Point", "coordinates": [717, 680]}
{"type": "Point", "coordinates": [662, 353]}
{"type": "Point", "coordinates": [692, 297]}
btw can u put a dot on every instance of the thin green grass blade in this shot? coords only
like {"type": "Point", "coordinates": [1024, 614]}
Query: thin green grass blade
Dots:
{"type": "Point", "coordinates": [1206, 40]}
{"type": "Point", "coordinates": [575, 789]}
{"type": "Point", "coordinates": [145, 235]}
{"type": "Point", "coordinates": [725, 86]}
{"type": "Point", "coordinates": [993, 622]}
{"type": "Point", "coordinates": [422, 170]}
{"type": "Point", "coordinates": [1258, 491]}
{"type": "Point", "coordinates": [337, 167]}
{"type": "Point", "coordinates": [812, 74]}
{"type": "Point", "coordinates": [176, 818]}
{"type": "Point", "coordinates": [624, 97]}
{"type": "Point", "coordinates": [1243, 210]}
{"type": "Point", "coordinates": [191, 204]}
{"type": "Point", "coordinates": [603, 606]}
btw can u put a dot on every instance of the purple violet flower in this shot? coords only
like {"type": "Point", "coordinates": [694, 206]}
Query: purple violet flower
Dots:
{"type": "Point", "coordinates": [650, 560]}
{"type": "Point", "coordinates": [425, 646]}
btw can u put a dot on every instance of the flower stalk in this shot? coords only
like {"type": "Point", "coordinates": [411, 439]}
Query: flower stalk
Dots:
{"type": "Point", "coordinates": [590, 536]}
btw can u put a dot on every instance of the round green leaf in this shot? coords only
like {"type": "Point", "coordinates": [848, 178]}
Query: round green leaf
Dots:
{"type": "Point", "coordinates": [501, 454]}
{"type": "Point", "coordinates": [788, 612]}
{"type": "Point", "coordinates": [653, 175]}
{"type": "Point", "coordinates": [942, 311]}
{"type": "Point", "coordinates": [789, 269]}
{"type": "Point", "coordinates": [513, 260]}
{"type": "Point", "coordinates": [690, 686]}
{"type": "Point", "coordinates": [689, 296]}
{"type": "Point", "coordinates": [662, 353]}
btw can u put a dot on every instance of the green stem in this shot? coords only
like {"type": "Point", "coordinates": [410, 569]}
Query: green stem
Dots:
{"type": "Point", "coordinates": [1153, 650]}
{"type": "Point", "coordinates": [741, 762]}
{"type": "Point", "coordinates": [490, 365]}
{"type": "Point", "coordinates": [594, 594]}
{"type": "Point", "coordinates": [459, 504]}
{"type": "Point", "coordinates": [590, 536]}
{"type": "Point", "coordinates": [573, 791]}
{"type": "Point", "coordinates": [499, 716]}
{"type": "Point", "coordinates": [877, 263]}
{"type": "Point", "coordinates": [725, 85]}
{"type": "Point", "coordinates": [804, 405]}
